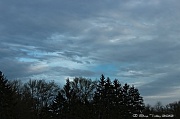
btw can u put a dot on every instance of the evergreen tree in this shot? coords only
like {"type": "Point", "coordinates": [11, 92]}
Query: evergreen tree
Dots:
{"type": "Point", "coordinates": [136, 101]}
{"type": "Point", "coordinates": [117, 110]}
{"type": "Point", "coordinates": [132, 101]}
{"type": "Point", "coordinates": [6, 99]}
{"type": "Point", "coordinates": [99, 99]}
{"type": "Point", "coordinates": [113, 101]}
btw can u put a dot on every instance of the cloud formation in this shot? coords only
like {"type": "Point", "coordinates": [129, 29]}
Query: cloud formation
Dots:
{"type": "Point", "coordinates": [134, 41]}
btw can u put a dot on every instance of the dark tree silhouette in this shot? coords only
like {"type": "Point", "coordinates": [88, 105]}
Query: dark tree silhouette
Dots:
{"type": "Point", "coordinates": [58, 107]}
{"type": "Point", "coordinates": [7, 104]}
{"type": "Point", "coordinates": [79, 99]}
{"type": "Point", "coordinates": [113, 101]}
{"type": "Point", "coordinates": [32, 99]}
{"type": "Point", "coordinates": [22, 108]}
{"type": "Point", "coordinates": [74, 100]}
{"type": "Point", "coordinates": [174, 108]}
{"type": "Point", "coordinates": [40, 93]}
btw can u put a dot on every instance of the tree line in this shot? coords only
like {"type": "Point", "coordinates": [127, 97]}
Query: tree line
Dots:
{"type": "Point", "coordinates": [80, 98]}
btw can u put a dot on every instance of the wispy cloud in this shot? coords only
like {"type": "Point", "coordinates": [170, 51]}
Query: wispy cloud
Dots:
{"type": "Point", "coordinates": [135, 41]}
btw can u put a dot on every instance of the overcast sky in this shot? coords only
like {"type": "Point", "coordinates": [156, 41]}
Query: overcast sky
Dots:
{"type": "Point", "coordinates": [135, 41]}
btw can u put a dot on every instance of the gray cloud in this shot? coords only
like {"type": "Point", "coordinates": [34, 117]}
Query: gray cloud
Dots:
{"type": "Point", "coordinates": [69, 38]}
{"type": "Point", "coordinates": [164, 89]}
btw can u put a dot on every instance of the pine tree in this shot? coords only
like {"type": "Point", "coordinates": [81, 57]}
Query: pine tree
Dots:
{"type": "Point", "coordinates": [104, 98]}
{"type": "Point", "coordinates": [113, 101]}
{"type": "Point", "coordinates": [132, 101]}
{"type": "Point", "coordinates": [136, 101]}
{"type": "Point", "coordinates": [99, 99]}
{"type": "Point", "coordinates": [6, 99]}
{"type": "Point", "coordinates": [117, 110]}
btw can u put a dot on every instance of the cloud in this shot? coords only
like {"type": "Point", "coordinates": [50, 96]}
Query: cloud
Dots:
{"type": "Point", "coordinates": [135, 41]}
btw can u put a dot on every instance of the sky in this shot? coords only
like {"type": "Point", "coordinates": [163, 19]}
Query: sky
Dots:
{"type": "Point", "coordinates": [135, 41]}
